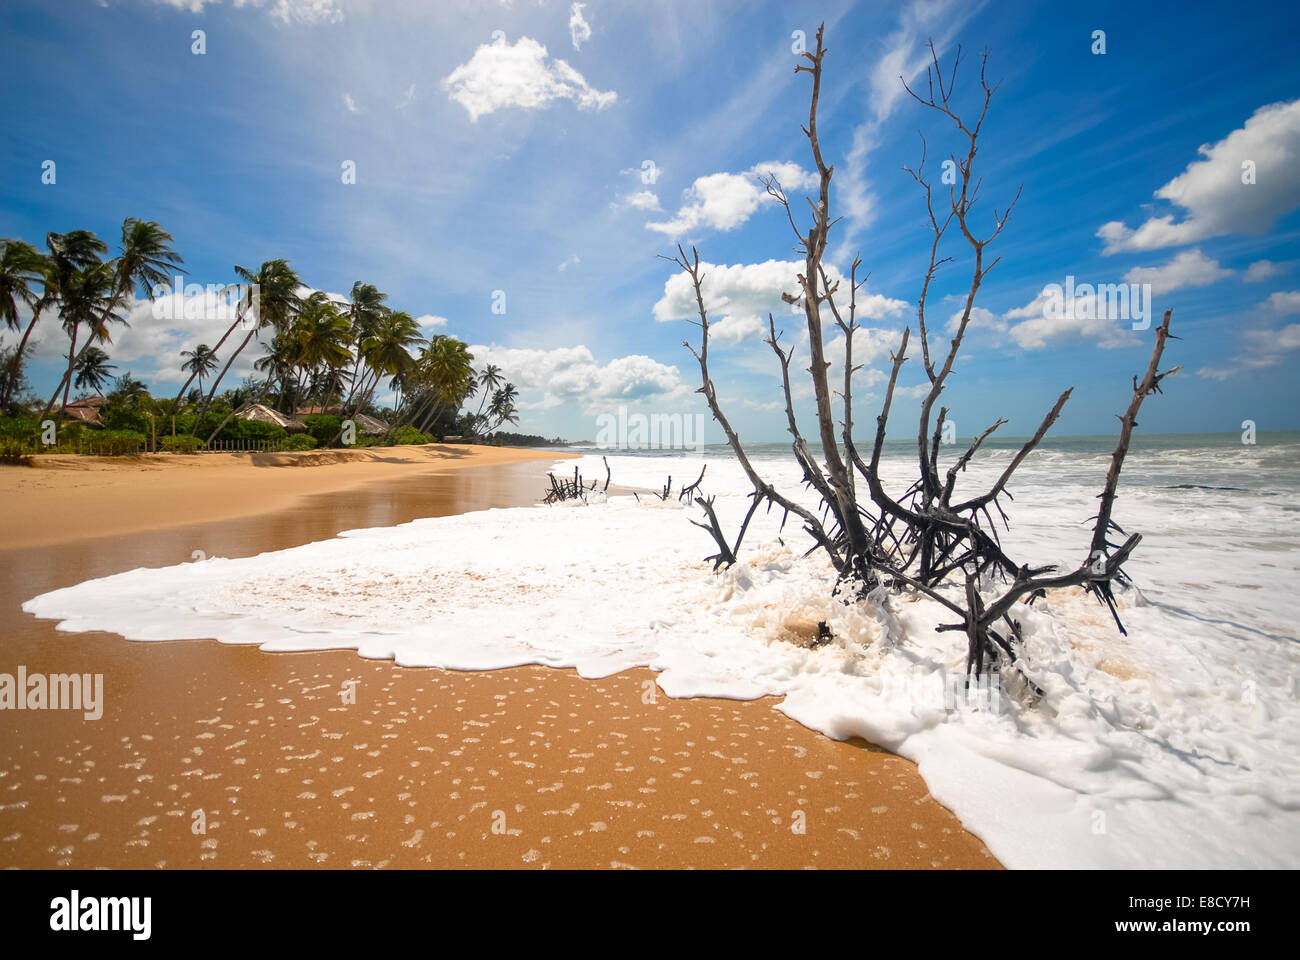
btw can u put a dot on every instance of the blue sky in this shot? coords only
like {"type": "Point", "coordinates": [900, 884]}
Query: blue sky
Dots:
{"type": "Point", "coordinates": [517, 162]}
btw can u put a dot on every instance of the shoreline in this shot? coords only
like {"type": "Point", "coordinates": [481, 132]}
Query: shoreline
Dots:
{"type": "Point", "coordinates": [425, 763]}
{"type": "Point", "coordinates": [64, 496]}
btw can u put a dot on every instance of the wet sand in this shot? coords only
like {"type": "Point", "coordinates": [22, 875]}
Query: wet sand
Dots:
{"type": "Point", "coordinates": [530, 767]}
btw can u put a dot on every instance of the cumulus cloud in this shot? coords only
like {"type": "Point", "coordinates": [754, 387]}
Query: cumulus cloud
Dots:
{"type": "Point", "coordinates": [567, 374]}
{"type": "Point", "coordinates": [1213, 199]}
{"type": "Point", "coordinates": [1191, 268]}
{"type": "Point", "coordinates": [639, 200]}
{"type": "Point", "coordinates": [430, 322]}
{"type": "Point", "coordinates": [1265, 270]}
{"type": "Point", "coordinates": [739, 298]}
{"type": "Point", "coordinates": [980, 319]}
{"type": "Point", "coordinates": [501, 75]}
{"type": "Point", "coordinates": [350, 103]}
{"type": "Point", "coordinates": [724, 201]}
{"type": "Point", "coordinates": [1094, 317]}
{"type": "Point", "coordinates": [572, 261]}
{"type": "Point", "coordinates": [579, 29]}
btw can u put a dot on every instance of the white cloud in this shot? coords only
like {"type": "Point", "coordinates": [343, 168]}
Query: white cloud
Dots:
{"type": "Point", "coordinates": [407, 97]}
{"type": "Point", "coordinates": [573, 260]}
{"type": "Point", "coordinates": [1191, 268]}
{"type": "Point", "coordinates": [430, 322]}
{"type": "Point", "coordinates": [1283, 302]}
{"type": "Point", "coordinates": [1084, 318]}
{"type": "Point", "coordinates": [724, 201]}
{"type": "Point", "coordinates": [739, 298]}
{"type": "Point", "coordinates": [501, 75]}
{"type": "Point", "coordinates": [1213, 198]}
{"type": "Point", "coordinates": [1265, 270]}
{"type": "Point", "coordinates": [980, 319]}
{"type": "Point", "coordinates": [286, 11]}
{"type": "Point", "coordinates": [579, 30]}
{"type": "Point", "coordinates": [567, 374]}
{"type": "Point", "coordinates": [350, 103]}
{"type": "Point", "coordinates": [640, 200]}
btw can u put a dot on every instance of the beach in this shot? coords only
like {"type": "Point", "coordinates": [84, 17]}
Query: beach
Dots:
{"type": "Point", "coordinates": [221, 755]}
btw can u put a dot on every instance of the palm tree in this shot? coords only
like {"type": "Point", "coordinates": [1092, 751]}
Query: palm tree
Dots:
{"type": "Point", "coordinates": [277, 285]}
{"type": "Point", "coordinates": [92, 370]}
{"type": "Point", "coordinates": [365, 309]}
{"type": "Point", "coordinates": [322, 336]}
{"type": "Point", "coordinates": [490, 379]}
{"type": "Point", "coordinates": [444, 378]}
{"type": "Point", "coordinates": [386, 353]}
{"type": "Point", "coordinates": [21, 265]}
{"type": "Point", "coordinates": [147, 260]}
{"type": "Point", "coordinates": [70, 255]}
{"type": "Point", "coordinates": [502, 409]}
{"type": "Point", "coordinates": [202, 360]}
{"type": "Point", "coordinates": [85, 297]}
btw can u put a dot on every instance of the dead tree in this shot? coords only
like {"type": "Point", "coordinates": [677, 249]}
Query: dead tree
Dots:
{"type": "Point", "coordinates": [921, 540]}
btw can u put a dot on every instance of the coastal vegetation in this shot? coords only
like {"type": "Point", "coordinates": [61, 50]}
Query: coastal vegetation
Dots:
{"type": "Point", "coordinates": [324, 360]}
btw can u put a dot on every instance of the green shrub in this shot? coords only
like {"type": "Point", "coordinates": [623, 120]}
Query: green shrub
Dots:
{"type": "Point", "coordinates": [14, 452]}
{"type": "Point", "coordinates": [181, 443]}
{"type": "Point", "coordinates": [300, 441]}
{"type": "Point", "coordinates": [408, 435]}
{"type": "Point", "coordinates": [118, 418]}
{"type": "Point", "coordinates": [112, 443]}
{"type": "Point", "coordinates": [19, 428]}
{"type": "Point", "coordinates": [323, 426]}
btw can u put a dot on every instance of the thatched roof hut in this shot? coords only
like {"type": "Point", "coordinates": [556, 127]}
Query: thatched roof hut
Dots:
{"type": "Point", "coordinates": [370, 426]}
{"type": "Point", "coordinates": [86, 409]}
{"type": "Point", "coordinates": [264, 414]}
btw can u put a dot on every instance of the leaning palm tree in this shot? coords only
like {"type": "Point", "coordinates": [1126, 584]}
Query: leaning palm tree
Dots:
{"type": "Point", "coordinates": [21, 266]}
{"type": "Point", "coordinates": [445, 377]}
{"type": "Point", "coordinates": [502, 409]}
{"type": "Point", "coordinates": [85, 297]}
{"type": "Point", "coordinates": [200, 361]}
{"type": "Point", "coordinates": [92, 370]}
{"type": "Point", "coordinates": [365, 309]}
{"type": "Point", "coordinates": [71, 254]}
{"type": "Point", "coordinates": [277, 285]}
{"type": "Point", "coordinates": [146, 260]}
{"type": "Point", "coordinates": [489, 380]}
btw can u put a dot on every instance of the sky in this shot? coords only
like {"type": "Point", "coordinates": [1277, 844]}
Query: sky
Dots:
{"type": "Point", "coordinates": [511, 173]}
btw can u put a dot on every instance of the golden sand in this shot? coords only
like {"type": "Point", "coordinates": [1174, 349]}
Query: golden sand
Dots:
{"type": "Point", "coordinates": [210, 755]}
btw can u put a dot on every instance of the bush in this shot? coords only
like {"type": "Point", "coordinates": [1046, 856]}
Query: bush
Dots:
{"type": "Point", "coordinates": [300, 441]}
{"type": "Point", "coordinates": [14, 452]}
{"type": "Point", "coordinates": [181, 443]}
{"type": "Point", "coordinates": [118, 418]}
{"type": "Point", "coordinates": [19, 428]}
{"type": "Point", "coordinates": [112, 443]}
{"type": "Point", "coordinates": [324, 427]}
{"type": "Point", "coordinates": [408, 435]}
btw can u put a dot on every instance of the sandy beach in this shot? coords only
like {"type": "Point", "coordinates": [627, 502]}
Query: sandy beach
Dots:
{"type": "Point", "coordinates": [327, 759]}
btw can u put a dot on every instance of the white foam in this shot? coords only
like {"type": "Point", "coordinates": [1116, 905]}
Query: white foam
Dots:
{"type": "Point", "coordinates": [1175, 746]}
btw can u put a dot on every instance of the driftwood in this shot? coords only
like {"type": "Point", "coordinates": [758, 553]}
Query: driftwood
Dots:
{"type": "Point", "coordinates": [921, 541]}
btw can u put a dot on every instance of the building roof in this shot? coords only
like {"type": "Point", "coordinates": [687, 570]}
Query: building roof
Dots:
{"type": "Point", "coordinates": [264, 414]}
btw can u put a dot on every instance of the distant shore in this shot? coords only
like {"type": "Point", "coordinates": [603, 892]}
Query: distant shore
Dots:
{"type": "Point", "coordinates": [63, 498]}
